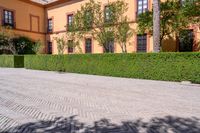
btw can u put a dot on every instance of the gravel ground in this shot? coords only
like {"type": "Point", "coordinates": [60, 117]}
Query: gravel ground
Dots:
{"type": "Point", "coordinates": [40, 101]}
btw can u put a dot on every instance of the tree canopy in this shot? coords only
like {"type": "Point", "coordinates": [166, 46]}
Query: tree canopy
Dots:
{"type": "Point", "coordinates": [175, 17]}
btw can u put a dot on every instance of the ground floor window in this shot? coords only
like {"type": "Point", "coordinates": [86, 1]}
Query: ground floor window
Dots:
{"type": "Point", "coordinates": [49, 48]}
{"type": "Point", "coordinates": [88, 45]}
{"type": "Point", "coordinates": [109, 47]}
{"type": "Point", "coordinates": [142, 43]}
{"type": "Point", "coordinates": [70, 47]}
{"type": "Point", "coordinates": [186, 40]}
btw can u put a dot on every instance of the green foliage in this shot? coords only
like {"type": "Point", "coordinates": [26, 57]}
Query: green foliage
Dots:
{"type": "Point", "coordinates": [23, 45]}
{"type": "Point", "coordinates": [124, 33]}
{"type": "Point", "coordinates": [11, 61]}
{"type": "Point", "coordinates": [162, 66]}
{"type": "Point", "coordinates": [61, 44]}
{"type": "Point", "coordinates": [174, 18]}
{"type": "Point", "coordinates": [13, 44]}
{"type": "Point", "coordinates": [6, 61]}
{"type": "Point", "coordinates": [105, 37]}
{"type": "Point", "coordinates": [90, 20]}
{"type": "Point", "coordinates": [37, 47]}
{"type": "Point", "coordinates": [6, 42]}
{"type": "Point", "coordinates": [19, 61]}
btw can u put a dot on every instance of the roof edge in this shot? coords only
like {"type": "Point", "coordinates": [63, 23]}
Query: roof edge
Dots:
{"type": "Point", "coordinates": [46, 5]}
{"type": "Point", "coordinates": [33, 3]}
{"type": "Point", "coordinates": [56, 3]}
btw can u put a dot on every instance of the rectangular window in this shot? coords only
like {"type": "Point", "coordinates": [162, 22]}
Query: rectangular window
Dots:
{"type": "Point", "coordinates": [186, 40]}
{"type": "Point", "coordinates": [49, 48]}
{"type": "Point", "coordinates": [50, 25]}
{"type": "Point", "coordinates": [142, 6]}
{"type": "Point", "coordinates": [89, 19]}
{"type": "Point", "coordinates": [107, 14]}
{"type": "Point", "coordinates": [142, 43]}
{"type": "Point", "coordinates": [88, 45]}
{"type": "Point", "coordinates": [70, 47]}
{"type": "Point", "coordinates": [183, 2]}
{"type": "Point", "coordinates": [109, 47]}
{"type": "Point", "coordinates": [69, 21]}
{"type": "Point", "coordinates": [8, 18]}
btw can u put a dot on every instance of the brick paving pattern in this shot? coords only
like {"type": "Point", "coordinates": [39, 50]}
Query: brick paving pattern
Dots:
{"type": "Point", "coordinates": [39, 101]}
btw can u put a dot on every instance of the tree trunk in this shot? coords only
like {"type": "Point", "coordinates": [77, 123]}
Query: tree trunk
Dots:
{"type": "Point", "coordinates": [156, 25]}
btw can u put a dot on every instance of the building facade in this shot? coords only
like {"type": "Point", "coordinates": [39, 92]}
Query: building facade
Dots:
{"type": "Point", "coordinates": [46, 22]}
{"type": "Point", "coordinates": [26, 19]}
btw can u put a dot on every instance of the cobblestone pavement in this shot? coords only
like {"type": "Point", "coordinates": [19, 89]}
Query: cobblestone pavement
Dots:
{"type": "Point", "coordinates": [39, 101]}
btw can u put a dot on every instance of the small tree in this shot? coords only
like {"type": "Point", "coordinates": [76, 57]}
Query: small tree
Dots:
{"type": "Point", "coordinates": [124, 33]}
{"type": "Point", "coordinates": [102, 25]}
{"type": "Point", "coordinates": [37, 47]}
{"type": "Point", "coordinates": [6, 40]}
{"type": "Point", "coordinates": [61, 44]}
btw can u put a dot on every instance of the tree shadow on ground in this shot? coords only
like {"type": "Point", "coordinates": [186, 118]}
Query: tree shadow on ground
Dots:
{"type": "Point", "coordinates": [168, 124]}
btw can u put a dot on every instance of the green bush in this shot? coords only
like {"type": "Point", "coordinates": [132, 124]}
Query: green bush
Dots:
{"type": "Point", "coordinates": [162, 66]}
{"type": "Point", "coordinates": [11, 61]}
{"type": "Point", "coordinates": [23, 45]}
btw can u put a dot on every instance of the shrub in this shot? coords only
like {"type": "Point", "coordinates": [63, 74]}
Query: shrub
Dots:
{"type": "Point", "coordinates": [24, 45]}
{"type": "Point", "coordinates": [162, 66]}
{"type": "Point", "coordinates": [12, 61]}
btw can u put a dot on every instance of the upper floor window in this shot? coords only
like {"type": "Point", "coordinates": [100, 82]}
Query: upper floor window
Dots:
{"type": "Point", "coordinates": [8, 18]}
{"type": "Point", "coordinates": [88, 45]}
{"type": "Point", "coordinates": [69, 21]}
{"type": "Point", "coordinates": [184, 2]}
{"type": "Point", "coordinates": [107, 14]}
{"type": "Point", "coordinates": [142, 6]}
{"type": "Point", "coordinates": [88, 19]}
{"type": "Point", "coordinates": [50, 25]}
{"type": "Point", "coordinates": [142, 43]}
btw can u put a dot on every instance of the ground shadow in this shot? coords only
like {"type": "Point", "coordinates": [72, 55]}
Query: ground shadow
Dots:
{"type": "Point", "coordinates": [168, 124]}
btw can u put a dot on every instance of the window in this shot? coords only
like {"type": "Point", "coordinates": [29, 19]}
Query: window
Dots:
{"type": "Point", "coordinates": [8, 18]}
{"type": "Point", "coordinates": [109, 47]}
{"type": "Point", "coordinates": [107, 14]}
{"type": "Point", "coordinates": [69, 21]}
{"type": "Point", "coordinates": [49, 48]}
{"type": "Point", "coordinates": [88, 45]}
{"type": "Point", "coordinates": [70, 46]}
{"type": "Point", "coordinates": [142, 6]}
{"type": "Point", "coordinates": [184, 2]}
{"type": "Point", "coordinates": [89, 19]}
{"type": "Point", "coordinates": [186, 40]}
{"type": "Point", "coordinates": [50, 25]}
{"type": "Point", "coordinates": [142, 43]}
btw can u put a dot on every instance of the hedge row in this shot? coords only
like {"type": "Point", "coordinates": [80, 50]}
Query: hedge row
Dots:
{"type": "Point", "coordinates": [12, 61]}
{"type": "Point", "coordinates": [162, 66]}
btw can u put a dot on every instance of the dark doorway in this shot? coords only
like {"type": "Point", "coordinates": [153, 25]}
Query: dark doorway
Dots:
{"type": "Point", "coordinates": [49, 48]}
{"type": "Point", "coordinates": [186, 40]}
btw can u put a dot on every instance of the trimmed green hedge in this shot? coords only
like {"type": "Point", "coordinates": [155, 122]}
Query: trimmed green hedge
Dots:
{"type": "Point", "coordinates": [11, 61]}
{"type": "Point", "coordinates": [161, 66]}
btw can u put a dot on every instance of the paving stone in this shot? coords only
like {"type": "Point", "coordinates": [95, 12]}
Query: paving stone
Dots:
{"type": "Point", "coordinates": [54, 99]}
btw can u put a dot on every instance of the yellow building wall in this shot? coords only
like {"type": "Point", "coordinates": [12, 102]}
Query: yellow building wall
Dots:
{"type": "Point", "coordinates": [59, 15]}
{"type": "Point", "coordinates": [29, 19]}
